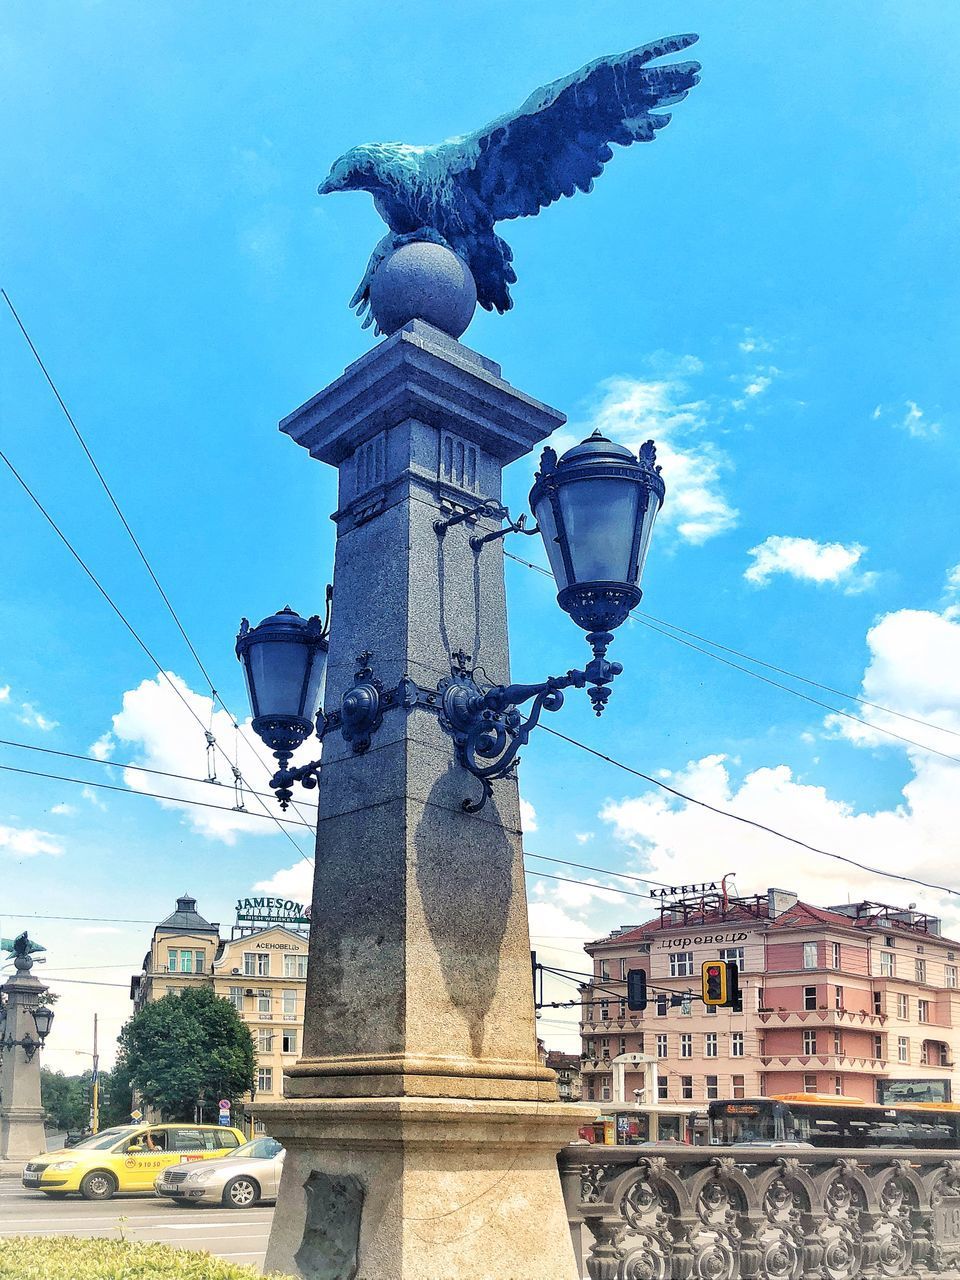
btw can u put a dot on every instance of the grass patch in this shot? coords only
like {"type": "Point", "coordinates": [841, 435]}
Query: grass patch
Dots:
{"type": "Point", "coordinates": [67, 1258]}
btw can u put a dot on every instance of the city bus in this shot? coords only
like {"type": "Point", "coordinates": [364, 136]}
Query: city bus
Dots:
{"type": "Point", "coordinates": [624, 1124]}
{"type": "Point", "coordinates": [827, 1121]}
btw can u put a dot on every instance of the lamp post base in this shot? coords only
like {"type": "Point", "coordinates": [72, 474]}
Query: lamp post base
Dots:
{"type": "Point", "coordinates": [421, 1189]}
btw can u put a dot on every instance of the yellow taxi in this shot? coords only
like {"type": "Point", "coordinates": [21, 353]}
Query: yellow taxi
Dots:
{"type": "Point", "coordinates": [127, 1158]}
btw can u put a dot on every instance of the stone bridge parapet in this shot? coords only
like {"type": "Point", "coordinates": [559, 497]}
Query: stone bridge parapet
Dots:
{"type": "Point", "coordinates": [749, 1213]}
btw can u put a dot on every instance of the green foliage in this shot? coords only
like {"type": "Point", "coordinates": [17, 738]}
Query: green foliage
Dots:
{"type": "Point", "coordinates": [186, 1049]}
{"type": "Point", "coordinates": [66, 1258]}
{"type": "Point", "coordinates": [116, 1101]}
{"type": "Point", "coordinates": [63, 1099]}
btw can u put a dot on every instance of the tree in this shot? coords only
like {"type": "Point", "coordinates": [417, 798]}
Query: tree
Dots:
{"type": "Point", "coordinates": [116, 1100]}
{"type": "Point", "coordinates": [64, 1099]}
{"type": "Point", "coordinates": [188, 1049]}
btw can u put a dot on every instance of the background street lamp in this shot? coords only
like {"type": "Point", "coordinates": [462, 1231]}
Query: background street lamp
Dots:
{"type": "Point", "coordinates": [43, 1020]}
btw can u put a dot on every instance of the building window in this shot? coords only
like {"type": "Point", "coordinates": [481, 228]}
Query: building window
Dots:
{"type": "Point", "coordinates": [604, 1046]}
{"type": "Point", "coordinates": [903, 1049]}
{"type": "Point", "coordinates": [288, 1041]}
{"type": "Point", "coordinates": [809, 1084]}
{"type": "Point", "coordinates": [264, 1040]}
{"type": "Point", "coordinates": [838, 997]}
{"type": "Point", "coordinates": [736, 1045]}
{"type": "Point", "coordinates": [604, 968]}
{"type": "Point", "coordinates": [944, 1055]}
{"type": "Point", "coordinates": [236, 998]}
{"type": "Point", "coordinates": [288, 1003]}
{"type": "Point", "coordinates": [838, 1044]}
{"type": "Point", "coordinates": [710, 1010]}
{"type": "Point", "coordinates": [295, 966]}
{"type": "Point", "coordinates": [921, 970]}
{"type": "Point", "coordinates": [624, 969]}
{"type": "Point", "coordinates": [878, 1002]}
{"type": "Point", "coordinates": [681, 964]}
{"type": "Point", "coordinates": [838, 1085]}
{"type": "Point", "coordinates": [250, 964]}
{"type": "Point", "coordinates": [923, 1010]}
{"type": "Point", "coordinates": [622, 1045]}
{"type": "Point", "coordinates": [604, 1010]}
{"type": "Point", "coordinates": [835, 954]}
{"type": "Point", "coordinates": [622, 1009]}
{"type": "Point", "coordinates": [591, 1049]}
{"type": "Point", "coordinates": [738, 1087]}
{"type": "Point", "coordinates": [950, 975]}
{"type": "Point", "coordinates": [734, 954]}
{"type": "Point", "coordinates": [903, 1007]}
{"type": "Point", "coordinates": [661, 1046]}
{"type": "Point", "coordinates": [686, 1046]}
{"type": "Point", "coordinates": [661, 1006]}
{"type": "Point", "coordinates": [172, 960]}
{"type": "Point", "coordinates": [809, 955]}
{"type": "Point", "coordinates": [888, 964]}
{"type": "Point", "coordinates": [686, 1088]}
{"type": "Point", "coordinates": [889, 941]}
{"type": "Point", "coordinates": [809, 1042]}
{"type": "Point", "coordinates": [663, 1086]}
{"type": "Point", "coordinates": [264, 1002]}
{"type": "Point", "coordinates": [809, 997]}
{"type": "Point", "coordinates": [264, 1079]}
{"type": "Point", "coordinates": [713, 1088]}
{"type": "Point", "coordinates": [760, 1004]}
{"type": "Point", "coordinates": [710, 1044]}
{"type": "Point", "coordinates": [878, 1047]}
{"type": "Point", "coordinates": [605, 1093]}
{"type": "Point", "coordinates": [924, 1055]}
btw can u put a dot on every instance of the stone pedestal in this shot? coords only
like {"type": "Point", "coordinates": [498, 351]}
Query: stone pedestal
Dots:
{"type": "Point", "coordinates": [419, 1073]}
{"type": "Point", "coordinates": [21, 1114]}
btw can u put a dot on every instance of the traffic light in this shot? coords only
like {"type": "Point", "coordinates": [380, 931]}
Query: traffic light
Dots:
{"type": "Point", "coordinates": [721, 984]}
{"type": "Point", "coordinates": [636, 989]}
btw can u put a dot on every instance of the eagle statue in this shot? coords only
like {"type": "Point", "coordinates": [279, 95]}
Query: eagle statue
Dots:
{"type": "Point", "coordinates": [556, 143]}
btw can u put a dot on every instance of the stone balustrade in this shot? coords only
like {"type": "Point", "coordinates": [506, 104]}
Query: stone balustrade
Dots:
{"type": "Point", "coordinates": [733, 1213]}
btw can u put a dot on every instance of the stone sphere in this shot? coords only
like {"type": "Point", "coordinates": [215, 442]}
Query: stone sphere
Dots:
{"type": "Point", "coordinates": [423, 281]}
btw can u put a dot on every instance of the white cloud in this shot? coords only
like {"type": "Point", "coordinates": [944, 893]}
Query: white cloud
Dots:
{"type": "Point", "coordinates": [528, 816]}
{"type": "Point", "coordinates": [28, 842]}
{"type": "Point", "coordinates": [914, 667]}
{"type": "Point", "coordinates": [810, 561]}
{"type": "Point", "coordinates": [916, 424]}
{"type": "Point", "coordinates": [63, 810]}
{"type": "Point", "coordinates": [953, 580]}
{"type": "Point", "coordinates": [752, 343]}
{"type": "Point", "coordinates": [4, 693]}
{"type": "Point", "coordinates": [29, 715]}
{"type": "Point", "coordinates": [294, 882]}
{"type": "Point", "coordinates": [104, 747]}
{"type": "Point", "coordinates": [631, 411]}
{"type": "Point", "coordinates": [93, 798]}
{"type": "Point", "coordinates": [162, 727]}
{"type": "Point", "coordinates": [583, 837]}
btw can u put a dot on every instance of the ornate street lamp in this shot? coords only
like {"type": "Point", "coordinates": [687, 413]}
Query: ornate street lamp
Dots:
{"type": "Point", "coordinates": [595, 508]}
{"type": "Point", "coordinates": [284, 662]}
{"type": "Point", "coordinates": [43, 1021]}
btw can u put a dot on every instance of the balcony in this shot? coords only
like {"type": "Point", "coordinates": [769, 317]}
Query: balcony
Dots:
{"type": "Point", "coordinates": [748, 1211]}
{"type": "Point", "coordinates": [838, 1018]}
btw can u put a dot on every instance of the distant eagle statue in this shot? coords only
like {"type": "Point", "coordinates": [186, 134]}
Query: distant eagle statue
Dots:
{"type": "Point", "coordinates": [557, 143]}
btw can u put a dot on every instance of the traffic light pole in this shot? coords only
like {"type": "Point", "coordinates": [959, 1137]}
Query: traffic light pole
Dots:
{"type": "Point", "coordinates": [95, 1084]}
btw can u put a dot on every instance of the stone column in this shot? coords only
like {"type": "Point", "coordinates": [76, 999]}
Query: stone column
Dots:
{"type": "Point", "coordinates": [419, 1093]}
{"type": "Point", "coordinates": [21, 1114]}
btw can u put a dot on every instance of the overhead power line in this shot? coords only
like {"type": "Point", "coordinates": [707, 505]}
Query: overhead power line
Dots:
{"type": "Point", "coordinates": [648, 619]}
{"type": "Point", "coordinates": [132, 630]}
{"type": "Point", "coordinates": [749, 822]}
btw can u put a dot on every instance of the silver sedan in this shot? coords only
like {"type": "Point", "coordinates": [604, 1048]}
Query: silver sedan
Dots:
{"type": "Point", "coordinates": [238, 1181]}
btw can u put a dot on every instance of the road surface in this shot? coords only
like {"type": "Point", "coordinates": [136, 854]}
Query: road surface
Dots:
{"type": "Point", "coordinates": [237, 1234]}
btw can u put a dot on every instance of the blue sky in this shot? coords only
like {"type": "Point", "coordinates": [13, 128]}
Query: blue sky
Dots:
{"type": "Point", "coordinates": [768, 290]}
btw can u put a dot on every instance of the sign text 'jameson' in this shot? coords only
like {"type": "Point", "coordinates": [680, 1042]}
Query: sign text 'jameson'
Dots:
{"type": "Point", "coordinates": [273, 909]}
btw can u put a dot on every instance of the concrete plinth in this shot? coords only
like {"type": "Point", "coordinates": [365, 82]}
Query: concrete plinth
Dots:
{"type": "Point", "coordinates": [419, 1077]}
{"type": "Point", "coordinates": [454, 1190]}
{"type": "Point", "coordinates": [21, 1115]}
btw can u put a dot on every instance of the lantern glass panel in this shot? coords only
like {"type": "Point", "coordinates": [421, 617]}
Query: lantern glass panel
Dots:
{"type": "Point", "coordinates": [646, 531]}
{"type": "Point", "coordinates": [275, 671]}
{"type": "Point", "coordinates": [543, 514]}
{"type": "Point", "coordinates": [599, 515]}
{"type": "Point", "coordinates": [43, 1018]}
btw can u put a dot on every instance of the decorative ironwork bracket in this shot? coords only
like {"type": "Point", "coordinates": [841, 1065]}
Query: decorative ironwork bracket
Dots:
{"type": "Point", "coordinates": [484, 721]}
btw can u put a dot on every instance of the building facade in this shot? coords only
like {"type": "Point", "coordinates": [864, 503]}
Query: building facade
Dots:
{"type": "Point", "coordinates": [262, 971]}
{"type": "Point", "coordinates": [567, 1067]}
{"type": "Point", "coordinates": [860, 1000]}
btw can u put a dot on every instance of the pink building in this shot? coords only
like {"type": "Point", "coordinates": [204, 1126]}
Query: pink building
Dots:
{"type": "Point", "coordinates": [860, 1000]}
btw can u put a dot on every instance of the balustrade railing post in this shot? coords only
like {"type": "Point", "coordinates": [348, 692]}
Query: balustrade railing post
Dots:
{"type": "Point", "coordinates": [603, 1260]}
{"type": "Point", "coordinates": [813, 1248]}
